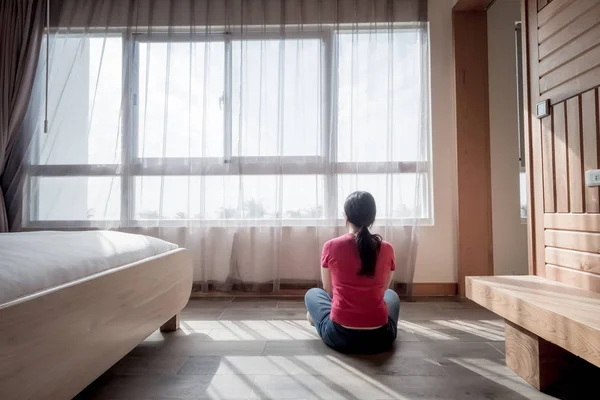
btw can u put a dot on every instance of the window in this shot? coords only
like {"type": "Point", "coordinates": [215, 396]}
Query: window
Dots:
{"type": "Point", "coordinates": [523, 194]}
{"type": "Point", "coordinates": [172, 73]}
{"type": "Point", "coordinates": [520, 125]}
{"type": "Point", "coordinates": [227, 128]}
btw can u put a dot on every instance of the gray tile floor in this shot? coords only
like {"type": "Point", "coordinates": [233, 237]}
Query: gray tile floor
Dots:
{"type": "Point", "coordinates": [265, 349]}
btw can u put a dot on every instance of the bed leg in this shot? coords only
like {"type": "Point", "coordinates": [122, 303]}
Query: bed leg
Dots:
{"type": "Point", "coordinates": [171, 325]}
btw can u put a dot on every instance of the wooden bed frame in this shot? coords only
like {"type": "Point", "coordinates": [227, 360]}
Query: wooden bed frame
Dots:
{"type": "Point", "coordinates": [56, 342]}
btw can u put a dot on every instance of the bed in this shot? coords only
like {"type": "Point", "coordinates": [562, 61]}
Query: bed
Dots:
{"type": "Point", "coordinates": [73, 303]}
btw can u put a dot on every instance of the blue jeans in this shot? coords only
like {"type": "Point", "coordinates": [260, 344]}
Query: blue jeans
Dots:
{"type": "Point", "coordinates": [356, 341]}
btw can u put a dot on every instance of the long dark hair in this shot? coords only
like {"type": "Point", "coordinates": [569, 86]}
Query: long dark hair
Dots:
{"type": "Point", "coordinates": [360, 210]}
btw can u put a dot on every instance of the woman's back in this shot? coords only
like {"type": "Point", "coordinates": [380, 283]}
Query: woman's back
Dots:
{"type": "Point", "coordinates": [357, 299]}
{"type": "Point", "coordinates": [355, 312]}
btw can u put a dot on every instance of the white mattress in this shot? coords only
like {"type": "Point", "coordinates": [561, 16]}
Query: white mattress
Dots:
{"type": "Point", "coordinates": [35, 261]}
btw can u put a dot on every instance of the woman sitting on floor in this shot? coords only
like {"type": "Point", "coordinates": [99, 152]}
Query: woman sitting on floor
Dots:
{"type": "Point", "coordinates": [355, 312]}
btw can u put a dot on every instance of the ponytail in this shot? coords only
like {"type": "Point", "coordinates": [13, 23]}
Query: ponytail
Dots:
{"type": "Point", "coordinates": [368, 249]}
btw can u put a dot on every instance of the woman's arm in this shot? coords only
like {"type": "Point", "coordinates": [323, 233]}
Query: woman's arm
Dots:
{"type": "Point", "coordinates": [392, 266]}
{"type": "Point", "coordinates": [326, 278]}
{"type": "Point", "coordinates": [390, 279]}
{"type": "Point", "coordinates": [325, 273]}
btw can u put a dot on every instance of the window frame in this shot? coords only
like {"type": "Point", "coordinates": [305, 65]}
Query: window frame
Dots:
{"type": "Point", "coordinates": [325, 164]}
{"type": "Point", "coordinates": [520, 116]}
{"type": "Point", "coordinates": [522, 172]}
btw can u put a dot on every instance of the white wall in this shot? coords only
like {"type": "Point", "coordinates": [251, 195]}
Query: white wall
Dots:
{"type": "Point", "coordinates": [510, 235]}
{"type": "Point", "coordinates": [436, 258]}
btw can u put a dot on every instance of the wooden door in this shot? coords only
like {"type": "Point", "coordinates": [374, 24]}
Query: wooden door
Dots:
{"type": "Point", "coordinates": [562, 42]}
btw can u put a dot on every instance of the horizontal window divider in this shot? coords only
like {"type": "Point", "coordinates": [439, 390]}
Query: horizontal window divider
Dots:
{"type": "Point", "coordinates": [228, 170]}
{"type": "Point", "coordinates": [148, 161]}
{"type": "Point", "coordinates": [75, 225]}
{"type": "Point", "coordinates": [200, 35]}
{"type": "Point", "coordinates": [236, 166]}
{"type": "Point", "coordinates": [216, 223]}
{"type": "Point", "coordinates": [382, 167]}
{"type": "Point", "coordinates": [75, 170]}
{"type": "Point", "coordinates": [207, 31]}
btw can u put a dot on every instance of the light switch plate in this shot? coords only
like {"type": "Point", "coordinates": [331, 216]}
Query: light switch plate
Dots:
{"type": "Point", "coordinates": [592, 177]}
{"type": "Point", "coordinates": [542, 109]}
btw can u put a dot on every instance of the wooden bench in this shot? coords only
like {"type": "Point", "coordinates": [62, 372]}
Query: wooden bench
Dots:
{"type": "Point", "coordinates": [550, 326]}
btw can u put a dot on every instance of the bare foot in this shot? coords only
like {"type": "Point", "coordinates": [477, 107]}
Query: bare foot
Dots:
{"type": "Point", "coordinates": [309, 318]}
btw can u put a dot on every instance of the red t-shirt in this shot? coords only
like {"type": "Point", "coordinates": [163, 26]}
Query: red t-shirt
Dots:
{"type": "Point", "coordinates": [357, 300]}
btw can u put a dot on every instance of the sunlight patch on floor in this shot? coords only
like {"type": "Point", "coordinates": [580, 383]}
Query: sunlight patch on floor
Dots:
{"type": "Point", "coordinates": [283, 377]}
{"type": "Point", "coordinates": [473, 330]}
{"type": "Point", "coordinates": [225, 330]}
{"type": "Point", "coordinates": [424, 331]}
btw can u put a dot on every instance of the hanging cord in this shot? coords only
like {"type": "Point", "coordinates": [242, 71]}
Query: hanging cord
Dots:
{"type": "Point", "coordinates": [47, 63]}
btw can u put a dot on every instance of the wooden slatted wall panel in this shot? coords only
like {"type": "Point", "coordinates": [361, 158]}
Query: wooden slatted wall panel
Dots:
{"type": "Point", "coordinates": [562, 65]}
{"type": "Point", "coordinates": [578, 260]}
{"type": "Point", "coordinates": [543, 3]}
{"type": "Point", "coordinates": [572, 277]}
{"type": "Point", "coordinates": [589, 120]}
{"type": "Point", "coordinates": [568, 67]}
{"type": "Point", "coordinates": [548, 165]}
{"type": "Point", "coordinates": [573, 222]}
{"type": "Point", "coordinates": [570, 137]}
{"type": "Point", "coordinates": [574, 160]}
{"type": "Point", "coordinates": [561, 173]}
{"type": "Point", "coordinates": [570, 146]}
{"type": "Point", "coordinates": [569, 48]}
{"type": "Point", "coordinates": [581, 241]}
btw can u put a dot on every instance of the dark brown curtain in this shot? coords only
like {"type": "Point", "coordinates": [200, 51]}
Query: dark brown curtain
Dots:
{"type": "Point", "coordinates": [21, 30]}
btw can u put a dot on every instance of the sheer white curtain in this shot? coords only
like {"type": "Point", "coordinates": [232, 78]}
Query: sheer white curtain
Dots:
{"type": "Point", "coordinates": [235, 129]}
